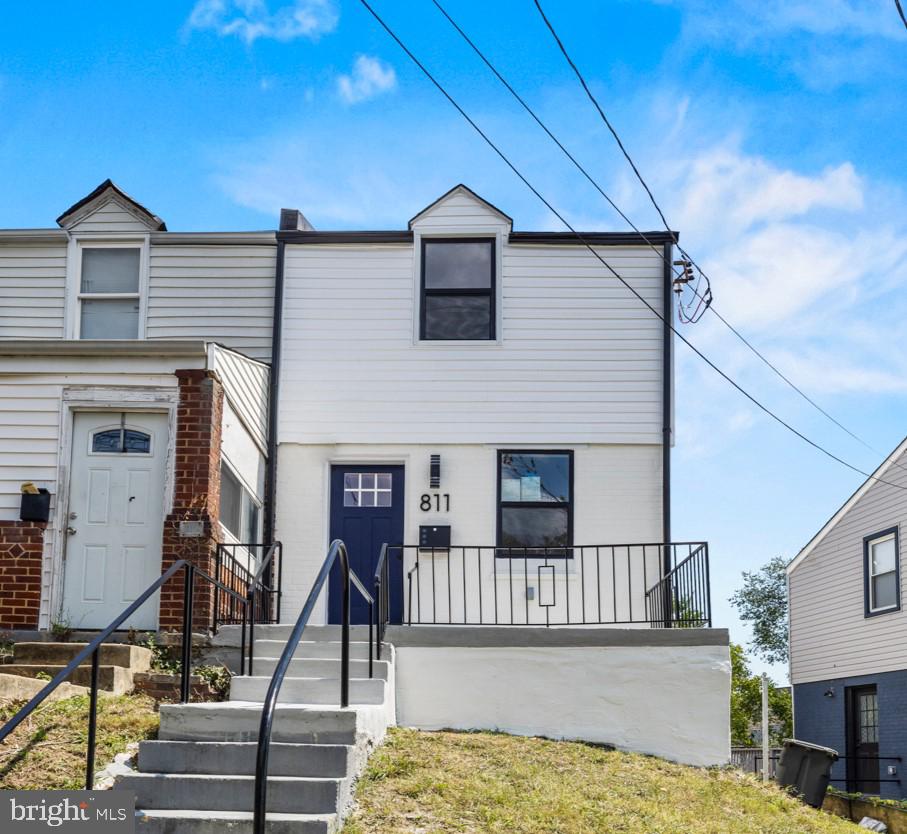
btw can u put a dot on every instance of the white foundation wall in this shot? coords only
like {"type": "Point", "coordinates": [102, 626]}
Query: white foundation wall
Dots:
{"type": "Point", "coordinates": [616, 500]}
{"type": "Point", "coordinates": [667, 701]}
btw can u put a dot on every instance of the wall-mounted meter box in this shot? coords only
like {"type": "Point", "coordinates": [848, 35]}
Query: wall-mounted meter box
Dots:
{"type": "Point", "coordinates": [434, 536]}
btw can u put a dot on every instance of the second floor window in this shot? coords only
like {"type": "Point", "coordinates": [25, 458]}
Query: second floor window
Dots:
{"type": "Point", "coordinates": [457, 290]}
{"type": "Point", "coordinates": [882, 576]}
{"type": "Point", "coordinates": [109, 293]}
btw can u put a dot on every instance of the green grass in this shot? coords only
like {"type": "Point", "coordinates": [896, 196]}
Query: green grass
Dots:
{"type": "Point", "coordinates": [488, 783]}
{"type": "Point", "coordinates": [47, 751]}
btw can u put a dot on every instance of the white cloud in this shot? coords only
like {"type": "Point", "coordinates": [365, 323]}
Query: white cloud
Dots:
{"type": "Point", "coordinates": [754, 18]}
{"type": "Point", "coordinates": [250, 20]}
{"type": "Point", "coordinates": [370, 77]}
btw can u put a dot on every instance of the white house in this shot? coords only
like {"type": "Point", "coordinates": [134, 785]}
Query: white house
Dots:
{"type": "Point", "coordinates": [489, 409]}
{"type": "Point", "coordinates": [134, 371]}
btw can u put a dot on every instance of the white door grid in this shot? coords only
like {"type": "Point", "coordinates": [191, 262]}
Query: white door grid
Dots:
{"type": "Point", "coordinates": [116, 517]}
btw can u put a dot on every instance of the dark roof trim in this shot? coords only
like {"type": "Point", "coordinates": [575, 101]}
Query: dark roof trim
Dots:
{"type": "Point", "coordinates": [548, 238]}
{"type": "Point", "coordinates": [293, 236]}
{"type": "Point", "coordinates": [472, 193]}
{"type": "Point", "coordinates": [601, 238]}
{"type": "Point", "coordinates": [155, 221]}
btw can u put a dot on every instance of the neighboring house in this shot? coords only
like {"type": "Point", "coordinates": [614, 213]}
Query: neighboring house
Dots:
{"type": "Point", "coordinates": [848, 662]}
{"type": "Point", "coordinates": [491, 405]}
{"type": "Point", "coordinates": [127, 354]}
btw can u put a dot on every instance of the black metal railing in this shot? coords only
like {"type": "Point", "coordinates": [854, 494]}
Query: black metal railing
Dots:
{"type": "Point", "coordinates": [749, 759]}
{"type": "Point", "coordinates": [244, 567]}
{"type": "Point", "coordinates": [336, 551]}
{"type": "Point", "coordinates": [682, 598]}
{"type": "Point", "coordinates": [93, 649]}
{"type": "Point", "coordinates": [549, 586]}
{"type": "Point", "coordinates": [382, 598]}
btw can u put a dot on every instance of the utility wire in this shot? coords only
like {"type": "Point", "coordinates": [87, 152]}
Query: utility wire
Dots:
{"type": "Point", "coordinates": [661, 214]}
{"type": "Point", "coordinates": [604, 263]}
{"type": "Point", "coordinates": [901, 11]}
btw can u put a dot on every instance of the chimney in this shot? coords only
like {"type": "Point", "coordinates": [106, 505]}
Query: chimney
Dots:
{"type": "Point", "coordinates": [294, 220]}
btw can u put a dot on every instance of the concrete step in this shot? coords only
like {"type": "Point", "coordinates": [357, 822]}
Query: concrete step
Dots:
{"type": "Point", "coordinates": [110, 678]}
{"type": "Point", "coordinates": [197, 792]}
{"type": "Point", "coordinates": [136, 658]}
{"type": "Point", "coordinates": [307, 690]}
{"type": "Point", "coordinates": [232, 822]}
{"type": "Point", "coordinates": [326, 760]}
{"type": "Point", "coordinates": [230, 635]}
{"type": "Point", "coordinates": [320, 667]}
{"type": "Point", "coordinates": [239, 721]}
{"type": "Point", "coordinates": [315, 649]}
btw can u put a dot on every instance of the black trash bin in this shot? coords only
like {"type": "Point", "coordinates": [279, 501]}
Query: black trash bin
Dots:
{"type": "Point", "coordinates": [805, 769]}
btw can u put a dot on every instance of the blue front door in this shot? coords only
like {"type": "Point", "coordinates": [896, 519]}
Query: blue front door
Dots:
{"type": "Point", "coordinates": [366, 512]}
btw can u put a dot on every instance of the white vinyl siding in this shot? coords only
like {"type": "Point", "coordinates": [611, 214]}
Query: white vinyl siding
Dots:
{"type": "Point", "coordinates": [246, 387]}
{"type": "Point", "coordinates": [32, 290]}
{"type": "Point", "coordinates": [221, 294]}
{"type": "Point", "coordinates": [461, 213]}
{"type": "Point", "coordinates": [579, 361]}
{"type": "Point", "coordinates": [110, 218]}
{"type": "Point", "coordinates": [831, 636]}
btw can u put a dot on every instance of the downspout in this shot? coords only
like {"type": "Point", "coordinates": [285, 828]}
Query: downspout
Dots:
{"type": "Point", "coordinates": [666, 421]}
{"type": "Point", "coordinates": [270, 496]}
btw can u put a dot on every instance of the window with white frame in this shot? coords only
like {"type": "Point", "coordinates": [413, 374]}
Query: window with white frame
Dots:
{"type": "Point", "coordinates": [240, 511]}
{"type": "Point", "coordinates": [882, 572]}
{"type": "Point", "coordinates": [109, 297]}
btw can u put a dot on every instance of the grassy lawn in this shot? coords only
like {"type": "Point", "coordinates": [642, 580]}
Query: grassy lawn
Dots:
{"type": "Point", "coordinates": [47, 751]}
{"type": "Point", "coordinates": [427, 783]}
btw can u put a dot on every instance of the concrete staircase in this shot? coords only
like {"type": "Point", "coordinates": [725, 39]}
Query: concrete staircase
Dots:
{"type": "Point", "coordinates": [118, 663]}
{"type": "Point", "coordinates": [198, 777]}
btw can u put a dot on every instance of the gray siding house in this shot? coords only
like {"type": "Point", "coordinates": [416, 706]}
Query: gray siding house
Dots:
{"type": "Point", "coordinates": [848, 635]}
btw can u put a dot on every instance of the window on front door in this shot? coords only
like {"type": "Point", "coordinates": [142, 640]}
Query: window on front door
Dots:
{"type": "Point", "coordinates": [109, 296]}
{"type": "Point", "coordinates": [457, 290]}
{"type": "Point", "coordinates": [881, 572]}
{"type": "Point", "coordinates": [535, 501]}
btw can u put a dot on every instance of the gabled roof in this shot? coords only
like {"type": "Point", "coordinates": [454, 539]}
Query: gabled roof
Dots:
{"type": "Point", "coordinates": [874, 478]}
{"type": "Point", "coordinates": [469, 192]}
{"type": "Point", "coordinates": [106, 191]}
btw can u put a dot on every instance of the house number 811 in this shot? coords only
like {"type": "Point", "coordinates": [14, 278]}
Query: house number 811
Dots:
{"type": "Point", "coordinates": [426, 503]}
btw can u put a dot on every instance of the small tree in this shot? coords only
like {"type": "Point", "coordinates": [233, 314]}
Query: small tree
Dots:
{"type": "Point", "coordinates": [746, 704]}
{"type": "Point", "coordinates": [762, 602]}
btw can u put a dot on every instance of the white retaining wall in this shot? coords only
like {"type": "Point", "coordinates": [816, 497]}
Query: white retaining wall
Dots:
{"type": "Point", "coordinates": [651, 695]}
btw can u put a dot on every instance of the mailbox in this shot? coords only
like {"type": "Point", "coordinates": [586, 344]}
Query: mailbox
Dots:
{"type": "Point", "coordinates": [434, 536]}
{"type": "Point", "coordinates": [35, 506]}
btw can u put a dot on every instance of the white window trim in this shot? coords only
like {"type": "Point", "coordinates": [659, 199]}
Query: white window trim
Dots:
{"type": "Point", "coordinates": [74, 295]}
{"type": "Point", "coordinates": [492, 233]}
{"type": "Point", "coordinates": [873, 609]}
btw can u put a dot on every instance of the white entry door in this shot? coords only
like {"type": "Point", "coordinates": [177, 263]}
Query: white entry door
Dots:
{"type": "Point", "coordinates": [116, 517]}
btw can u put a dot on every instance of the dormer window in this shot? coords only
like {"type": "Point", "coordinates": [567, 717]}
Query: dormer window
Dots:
{"type": "Point", "coordinates": [458, 290]}
{"type": "Point", "coordinates": [109, 298]}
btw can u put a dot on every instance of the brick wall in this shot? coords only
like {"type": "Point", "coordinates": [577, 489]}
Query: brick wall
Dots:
{"type": "Point", "coordinates": [21, 548]}
{"type": "Point", "coordinates": [196, 495]}
{"type": "Point", "coordinates": [821, 719]}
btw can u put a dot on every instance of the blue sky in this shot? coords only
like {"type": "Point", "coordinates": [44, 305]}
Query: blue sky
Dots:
{"type": "Point", "coordinates": [771, 130]}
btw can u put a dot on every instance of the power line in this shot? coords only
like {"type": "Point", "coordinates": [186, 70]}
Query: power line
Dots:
{"type": "Point", "coordinates": [901, 11]}
{"type": "Point", "coordinates": [689, 257]}
{"type": "Point", "coordinates": [604, 263]}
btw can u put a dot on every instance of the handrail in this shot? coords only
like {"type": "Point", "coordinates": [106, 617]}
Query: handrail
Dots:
{"type": "Point", "coordinates": [337, 550]}
{"type": "Point", "coordinates": [275, 547]}
{"type": "Point", "coordinates": [93, 649]}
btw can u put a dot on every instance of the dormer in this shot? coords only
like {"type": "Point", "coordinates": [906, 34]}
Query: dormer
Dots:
{"type": "Point", "coordinates": [109, 210]}
{"type": "Point", "coordinates": [107, 264]}
{"type": "Point", "coordinates": [458, 242]}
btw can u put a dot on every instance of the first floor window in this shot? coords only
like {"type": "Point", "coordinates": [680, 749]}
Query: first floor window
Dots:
{"type": "Point", "coordinates": [109, 293]}
{"type": "Point", "coordinates": [240, 511]}
{"type": "Point", "coordinates": [882, 572]}
{"type": "Point", "coordinates": [535, 502]}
